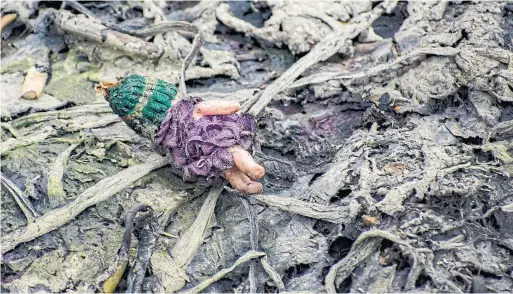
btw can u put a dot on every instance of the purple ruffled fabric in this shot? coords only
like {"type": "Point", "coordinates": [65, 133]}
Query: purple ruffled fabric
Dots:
{"type": "Point", "coordinates": [200, 147]}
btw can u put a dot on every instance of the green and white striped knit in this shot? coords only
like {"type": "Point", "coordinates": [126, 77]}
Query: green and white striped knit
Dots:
{"type": "Point", "coordinates": [142, 102]}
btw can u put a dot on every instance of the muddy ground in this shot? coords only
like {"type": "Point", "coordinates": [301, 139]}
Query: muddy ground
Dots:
{"type": "Point", "coordinates": [386, 131]}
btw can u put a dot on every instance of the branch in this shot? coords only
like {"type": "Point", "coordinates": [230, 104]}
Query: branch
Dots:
{"type": "Point", "coordinates": [186, 247]}
{"type": "Point", "coordinates": [93, 195]}
{"type": "Point", "coordinates": [413, 56]}
{"type": "Point", "coordinates": [322, 51]}
{"type": "Point", "coordinates": [245, 258]}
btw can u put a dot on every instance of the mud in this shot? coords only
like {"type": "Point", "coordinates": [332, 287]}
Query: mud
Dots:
{"type": "Point", "coordinates": [388, 164]}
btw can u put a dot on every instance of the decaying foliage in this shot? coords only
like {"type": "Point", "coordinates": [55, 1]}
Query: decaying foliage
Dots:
{"type": "Point", "coordinates": [386, 131]}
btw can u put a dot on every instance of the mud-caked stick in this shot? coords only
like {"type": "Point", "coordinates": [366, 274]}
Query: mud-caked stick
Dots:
{"type": "Point", "coordinates": [93, 195]}
{"type": "Point", "coordinates": [326, 48]}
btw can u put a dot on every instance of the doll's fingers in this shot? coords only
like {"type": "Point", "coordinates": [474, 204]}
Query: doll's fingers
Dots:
{"type": "Point", "coordinates": [216, 107]}
{"type": "Point", "coordinates": [245, 162]}
{"type": "Point", "coordinates": [241, 182]}
{"type": "Point", "coordinates": [255, 187]}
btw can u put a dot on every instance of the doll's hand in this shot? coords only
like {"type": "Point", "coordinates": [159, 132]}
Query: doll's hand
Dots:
{"type": "Point", "coordinates": [243, 176]}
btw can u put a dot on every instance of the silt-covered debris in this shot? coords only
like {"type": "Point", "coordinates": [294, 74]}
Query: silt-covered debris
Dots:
{"type": "Point", "coordinates": [385, 129]}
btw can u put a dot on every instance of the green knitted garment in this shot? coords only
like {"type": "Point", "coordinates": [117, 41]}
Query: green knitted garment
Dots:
{"type": "Point", "coordinates": [142, 102]}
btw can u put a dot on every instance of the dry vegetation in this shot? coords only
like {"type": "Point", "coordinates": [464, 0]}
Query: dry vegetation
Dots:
{"type": "Point", "coordinates": [386, 131]}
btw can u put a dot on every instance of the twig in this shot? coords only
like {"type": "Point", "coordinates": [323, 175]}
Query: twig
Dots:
{"type": "Point", "coordinates": [326, 48]}
{"type": "Point", "coordinates": [166, 234]}
{"type": "Point", "coordinates": [345, 266]}
{"type": "Point", "coordinates": [240, 95]}
{"type": "Point", "coordinates": [186, 246]}
{"type": "Point", "coordinates": [196, 45]}
{"type": "Point", "coordinates": [9, 128]}
{"type": "Point", "coordinates": [141, 221]}
{"type": "Point", "coordinates": [246, 257]}
{"type": "Point", "coordinates": [24, 204]}
{"type": "Point", "coordinates": [116, 271]}
{"type": "Point", "coordinates": [92, 30]}
{"type": "Point", "coordinates": [507, 207]}
{"type": "Point", "coordinates": [273, 274]}
{"type": "Point", "coordinates": [109, 34]}
{"type": "Point", "coordinates": [170, 270]}
{"type": "Point", "coordinates": [55, 190]}
{"type": "Point", "coordinates": [13, 143]}
{"type": "Point", "coordinates": [148, 31]}
{"type": "Point", "coordinates": [98, 123]}
{"type": "Point", "coordinates": [333, 214]}
{"type": "Point", "coordinates": [98, 138]}
{"type": "Point", "coordinates": [336, 177]}
{"type": "Point", "coordinates": [360, 250]}
{"type": "Point", "coordinates": [71, 112]}
{"type": "Point", "coordinates": [415, 269]}
{"type": "Point", "coordinates": [93, 195]}
{"type": "Point", "coordinates": [253, 233]}
{"type": "Point", "coordinates": [413, 56]}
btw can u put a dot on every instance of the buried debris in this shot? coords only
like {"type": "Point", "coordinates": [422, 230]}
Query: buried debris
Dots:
{"type": "Point", "coordinates": [21, 200]}
{"type": "Point", "coordinates": [144, 225]}
{"type": "Point", "coordinates": [55, 189]}
{"type": "Point", "coordinates": [385, 130]}
{"type": "Point", "coordinates": [245, 258]}
{"type": "Point", "coordinates": [100, 192]}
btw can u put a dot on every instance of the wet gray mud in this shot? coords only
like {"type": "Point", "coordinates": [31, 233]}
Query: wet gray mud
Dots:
{"type": "Point", "coordinates": [386, 131]}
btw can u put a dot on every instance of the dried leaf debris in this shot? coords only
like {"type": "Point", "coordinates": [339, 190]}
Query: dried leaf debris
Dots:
{"type": "Point", "coordinates": [386, 131]}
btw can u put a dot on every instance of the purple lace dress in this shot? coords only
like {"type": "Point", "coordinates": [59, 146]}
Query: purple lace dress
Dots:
{"type": "Point", "coordinates": [200, 147]}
